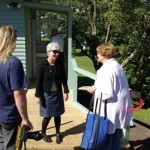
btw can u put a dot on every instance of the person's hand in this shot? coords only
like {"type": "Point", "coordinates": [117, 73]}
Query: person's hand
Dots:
{"type": "Point", "coordinates": [38, 100]}
{"type": "Point", "coordinates": [26, 123]}
{"type": "Point", "coordinates": [89, 89]}
{"type": "Point", "coordinates": [65, 96]}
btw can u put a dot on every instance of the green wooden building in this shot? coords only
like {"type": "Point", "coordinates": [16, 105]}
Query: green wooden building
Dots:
{"type": "Point", "coordinates": [24, 16]}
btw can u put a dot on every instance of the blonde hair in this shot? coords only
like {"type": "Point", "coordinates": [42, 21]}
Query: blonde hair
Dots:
{"type": "Point", "coordinates": [8, 37]}
{"type": "Point", "coordinates": [106, 49]}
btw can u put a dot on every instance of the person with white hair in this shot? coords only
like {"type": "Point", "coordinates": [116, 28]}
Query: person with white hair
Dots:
{"type": "Point", "coordinates": [49, 94]}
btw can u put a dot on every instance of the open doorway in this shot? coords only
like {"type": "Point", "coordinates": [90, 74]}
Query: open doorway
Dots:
{"type": "Point", "coordinates": [41, 29]}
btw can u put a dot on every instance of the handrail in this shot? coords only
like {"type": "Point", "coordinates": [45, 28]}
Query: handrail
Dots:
{"type": "Point", "coordinates": [86, 73]}
{"type": "Point", "coordinates": [75, 72]}
{"type": "Point", "coordinates": [82, 71]}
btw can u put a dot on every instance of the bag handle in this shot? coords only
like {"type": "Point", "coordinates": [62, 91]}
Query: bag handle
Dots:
{"type": "Point", "coordinates": [91, 103]}
{"type": "Point", "coordinates": [99, 110]}
{"type": "Point", "coordinates": [100, 98]}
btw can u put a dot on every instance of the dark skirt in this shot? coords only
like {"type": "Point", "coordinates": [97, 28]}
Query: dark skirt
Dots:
{"type": "Point", "coordinates": [52, 104]}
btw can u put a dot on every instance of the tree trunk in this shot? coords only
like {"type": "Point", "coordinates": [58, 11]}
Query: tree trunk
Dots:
{"type": "Point", "coordinates": [94, 18]}
{"type": "Point", "coordinates": [129, 58]}
{"type": "Point", "coordinates": [108, 31]}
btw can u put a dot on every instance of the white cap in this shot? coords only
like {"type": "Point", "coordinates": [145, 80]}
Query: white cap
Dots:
{"type": "Point", "coordinates": [52, 46]}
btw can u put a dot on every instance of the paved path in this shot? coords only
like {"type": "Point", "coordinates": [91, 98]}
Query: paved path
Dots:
{"type": "Point", "coordinates": [139, 137]}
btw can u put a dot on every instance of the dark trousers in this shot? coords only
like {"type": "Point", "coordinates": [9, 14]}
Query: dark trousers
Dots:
{"type": "Point", "coordinates": [8, 132]}
{"type": "Point", "coordinates": [113, 141]}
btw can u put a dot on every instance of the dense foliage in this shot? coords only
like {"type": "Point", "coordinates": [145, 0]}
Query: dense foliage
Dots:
{"type": "Point", "coordinates": [125, 23]}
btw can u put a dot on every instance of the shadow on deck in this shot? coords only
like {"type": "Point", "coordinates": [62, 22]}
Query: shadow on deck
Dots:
{"type": "Point", "coordinates": [72, 125]}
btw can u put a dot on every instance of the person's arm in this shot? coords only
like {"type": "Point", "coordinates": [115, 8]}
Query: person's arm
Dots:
{"type": "Point", "coordinates": [64, 82]}
{"type": "Point", "coordinates": [21, 104]}
{"type": "Point", "coordinates": [64, 79]}
{"type": "Point", "coordinates": [39, 81]}
{"type": "Point", "coordinates": [105, 83]}
{"type": "Point", "coordinates": [90, 89]}
{"type": "Point", "coordinates": [65, 95]}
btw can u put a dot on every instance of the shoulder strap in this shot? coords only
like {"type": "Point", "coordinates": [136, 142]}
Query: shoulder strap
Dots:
{"type": "Point", "coordinates": [100, 99]}
{"type": "Point", "coordinates": [91, 103]}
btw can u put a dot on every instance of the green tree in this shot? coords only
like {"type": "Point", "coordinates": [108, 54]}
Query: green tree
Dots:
{"type": "Point", "coordinates": [125, 23]}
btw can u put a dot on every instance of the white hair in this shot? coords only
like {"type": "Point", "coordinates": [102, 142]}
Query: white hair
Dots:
{"type": "Point", "coordinates": [52, 46]}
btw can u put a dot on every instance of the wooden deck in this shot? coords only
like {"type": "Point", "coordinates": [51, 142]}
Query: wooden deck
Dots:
{"type": "Point", "coordinates": [72, 126]}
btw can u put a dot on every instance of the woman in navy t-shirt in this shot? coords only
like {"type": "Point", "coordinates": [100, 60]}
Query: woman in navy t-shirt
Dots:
{"type": "Point", "coordinates": [13, 102]}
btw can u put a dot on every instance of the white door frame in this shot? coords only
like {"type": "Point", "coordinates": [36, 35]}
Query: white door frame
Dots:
{"type": "Point", "coordinates": [35, 54]}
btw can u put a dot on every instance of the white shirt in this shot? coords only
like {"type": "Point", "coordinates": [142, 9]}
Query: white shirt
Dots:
{"type": "Point", "coordinates": [111, 80]}
{"type": "Point", "coordinates": [59, 40]}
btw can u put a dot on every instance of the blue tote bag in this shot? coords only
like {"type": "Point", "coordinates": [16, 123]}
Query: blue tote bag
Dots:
{"type": "Point", "coordinates": [96, 128]}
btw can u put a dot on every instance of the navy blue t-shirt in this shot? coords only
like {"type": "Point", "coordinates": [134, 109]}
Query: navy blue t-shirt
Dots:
{"type": "Point", "coordinates": [12, 77]}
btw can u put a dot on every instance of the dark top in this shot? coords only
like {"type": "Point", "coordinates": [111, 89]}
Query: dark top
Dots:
{"type": "Point", "coordinates": [12, 77]}
{"type": "Point", "coordinates": [47, 75]}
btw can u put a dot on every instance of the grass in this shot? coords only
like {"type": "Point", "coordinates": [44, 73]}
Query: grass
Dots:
{"type": "Point", "coordinates": [85, 62]}
{"type": "Point", "coordinates": [142, 114]}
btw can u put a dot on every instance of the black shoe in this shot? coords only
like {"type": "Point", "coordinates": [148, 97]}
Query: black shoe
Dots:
{"type": "Point", "coordinates": [46, 138]}
{"type": "Point", "coordinates": [58, 138]}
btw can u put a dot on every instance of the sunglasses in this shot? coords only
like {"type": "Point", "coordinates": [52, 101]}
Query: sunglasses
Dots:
{"type": "Point", "coordinates": [56, 51]}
